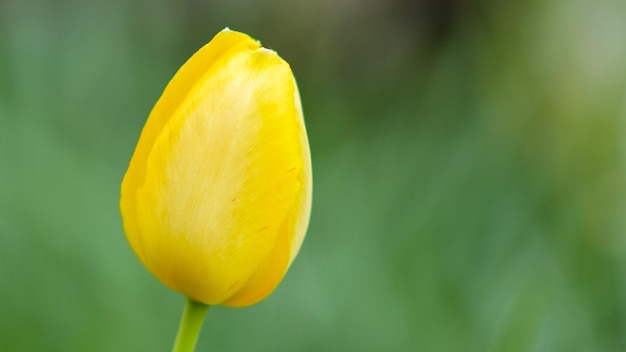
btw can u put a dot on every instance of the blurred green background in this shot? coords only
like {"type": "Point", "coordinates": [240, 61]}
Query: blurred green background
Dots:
{"type": "Point", "coordinates": [469, 166]}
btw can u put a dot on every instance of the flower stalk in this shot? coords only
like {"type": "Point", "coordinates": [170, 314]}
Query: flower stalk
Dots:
{"type": "Point", "coordinates": [190, 325]}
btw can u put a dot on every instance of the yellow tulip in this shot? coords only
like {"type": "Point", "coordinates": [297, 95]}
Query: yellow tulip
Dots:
{"type": "Point", "coordinates": [217, 197]}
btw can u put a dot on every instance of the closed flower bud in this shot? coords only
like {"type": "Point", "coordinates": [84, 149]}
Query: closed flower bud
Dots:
{"type": "Point", "coordinates": [217, 197]}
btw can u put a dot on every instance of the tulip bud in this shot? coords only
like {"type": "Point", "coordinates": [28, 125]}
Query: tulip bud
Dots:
{"type": "Point", "coordinates": [217, 197]}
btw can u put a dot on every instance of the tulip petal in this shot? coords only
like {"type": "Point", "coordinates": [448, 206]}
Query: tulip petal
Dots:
{"type": "Point", "coordinates": [218, 48]}
{"type": "Point", "coordinates": [269, 274]}
{"type": "Point", "coordinates": [301, 219]}
{"type": "Point", "coordinates": [222, 177]}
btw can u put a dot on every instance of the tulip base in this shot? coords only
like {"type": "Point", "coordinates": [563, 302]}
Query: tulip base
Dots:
{"type": "Point", "coordinates": [190, 324]}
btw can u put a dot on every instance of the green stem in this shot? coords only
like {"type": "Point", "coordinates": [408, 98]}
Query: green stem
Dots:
{"type": "Point", "coordinates": [190, 325]}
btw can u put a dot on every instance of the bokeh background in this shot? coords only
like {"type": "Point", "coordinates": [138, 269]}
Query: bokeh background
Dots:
{"type": "Point", "coordinates": [469, 166]}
